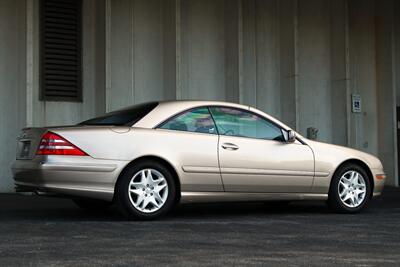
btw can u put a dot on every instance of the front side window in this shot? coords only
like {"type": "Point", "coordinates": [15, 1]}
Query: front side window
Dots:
{"type": "Point", "coordinates": [237, 122]}
{"type": "Point", "coordinates": [197, 120]}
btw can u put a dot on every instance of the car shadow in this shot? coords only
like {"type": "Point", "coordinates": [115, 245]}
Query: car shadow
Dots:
{"type": "Point", "coordinates": [33, 208]}
{"type": "Point", "coordinates": [22, 208]}
{"type": "Point", "coordinates": [249, 209]}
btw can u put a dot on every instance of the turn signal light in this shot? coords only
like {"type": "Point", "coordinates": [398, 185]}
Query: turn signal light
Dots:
{"type": "Point", "coordinates": [53, 144]}
{"type": "Point", "coordinates": [380, 176]}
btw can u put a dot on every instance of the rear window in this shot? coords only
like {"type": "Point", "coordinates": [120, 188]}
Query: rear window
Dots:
{"type": "Point", "coordinates": [124, 117]}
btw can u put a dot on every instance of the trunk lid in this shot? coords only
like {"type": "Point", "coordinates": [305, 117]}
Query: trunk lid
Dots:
{"type": "Point", "coordinates": [28, 142]}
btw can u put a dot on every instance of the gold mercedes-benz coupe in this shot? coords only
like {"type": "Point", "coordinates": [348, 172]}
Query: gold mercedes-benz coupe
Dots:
{"type": "Point", "coordinates": [151, 156]}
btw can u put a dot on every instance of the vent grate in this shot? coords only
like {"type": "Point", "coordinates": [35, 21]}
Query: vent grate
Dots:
{"type": "Point", "coordinates": [60, 52]}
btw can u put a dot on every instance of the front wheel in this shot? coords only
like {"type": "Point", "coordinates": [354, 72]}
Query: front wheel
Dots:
{"type": "Point", "coordinates": [146, 190]}
{"type": "Point", "coordinates": [350, 189]}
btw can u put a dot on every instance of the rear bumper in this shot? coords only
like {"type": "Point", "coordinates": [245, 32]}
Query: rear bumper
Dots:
{"type": "Point", "coordinates": [69, 175]}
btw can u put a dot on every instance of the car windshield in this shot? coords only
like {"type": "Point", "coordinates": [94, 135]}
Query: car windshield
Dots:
{"type": "Point", "coordinates": [124, 117]}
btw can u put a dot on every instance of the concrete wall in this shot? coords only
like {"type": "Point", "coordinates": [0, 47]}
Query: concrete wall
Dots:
{"type": "Point", "coordinates": [363, 74]}
{"type": "Point", "coordinates": [203, 49]}
{"type": "Point", "coordinates": [386, 85]}
{"type": "Point", "coordinates": [41, 113]}
{"type": "Point", "coordinates": [19, 76]}
{"type": "Point", "coordinates": [339, 71]}
{"type": "Point", "coordinates": [12, 83]}
{"type": "Point", "coordinates": [314, 102]}
{"type": "Point", "coordinates": [140, 57]}
{"type": "Point", "coordinates": [396, 38]}
{"type": "Point", "coordinates": [299, 60]}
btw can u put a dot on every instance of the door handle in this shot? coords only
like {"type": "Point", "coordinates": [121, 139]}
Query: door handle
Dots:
{"type": "Point", "coordinates": [229, 146]}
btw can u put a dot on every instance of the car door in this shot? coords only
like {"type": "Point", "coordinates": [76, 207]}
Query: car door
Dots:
{"type": "Point", "coordinates": [254, 156]}
{"type": "Point", "coordinates": [193, 137]}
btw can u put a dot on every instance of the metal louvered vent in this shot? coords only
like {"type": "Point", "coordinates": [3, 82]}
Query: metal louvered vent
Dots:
{"type": "Point", "coordinates": [60, 50]}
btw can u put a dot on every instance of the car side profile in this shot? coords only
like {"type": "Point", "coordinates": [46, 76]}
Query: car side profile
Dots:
{"type": "Point", "coordinates": [151, 156]}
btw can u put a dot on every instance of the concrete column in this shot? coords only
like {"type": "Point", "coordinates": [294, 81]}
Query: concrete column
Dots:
{"type": "Point", "coordinates": [249, 91]}
{"type": "Point", "coordinates": [396, 37]}
{"type": "Point", "coordinates": [141, 51]}
{"type": "Point", "coordinates": [93, 40]}
{"type": "Point", "coordinates": [314, 84]}
{"type": "Point", "coordinates": [340, 105]}
{"type": "Point", "coordinates": [36, 110]}
{"type": "Point", "coordinates": [203, 49]}
{"type": "Point", "coordinates": [171, 48]}
{"type": "Point", "coordinates": [12, 84]}
{"type": "Point", "coordinates": [178, 49]}
{"type": "Point", "coordinates": [232, 15]}
{"type": "Point", "coordinates": [268, 56]}
{"type": "Point", "coordinates": [34, 115]}
{"type": "Point", "coordinates": [363, 126]}
{"type": "Point", "coordinates": [396, 32]}
{"type": "Point", "coordinates": [288, 59]}
{"type": "Point", "coordinates": [152, 21]}
{"type": "Point", "coordinates": [269, 74]}
{"type": "Point", "coordinates": [120, 53]}
{"type": "Point", "coordinates": [386, 91]}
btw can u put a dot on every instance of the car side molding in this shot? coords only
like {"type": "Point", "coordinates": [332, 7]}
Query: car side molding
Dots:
{"type": "Point", "coordinates": [198, 197]}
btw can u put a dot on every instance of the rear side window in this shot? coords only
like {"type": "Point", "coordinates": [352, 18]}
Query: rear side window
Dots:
{"type": "Point", "coordinates": [123, 117]}
{"type": "Point", "coordinates": [196, 120]}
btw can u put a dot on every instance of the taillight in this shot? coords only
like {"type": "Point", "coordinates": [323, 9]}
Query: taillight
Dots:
{"type": "Point", "coordinates": [53, 144]}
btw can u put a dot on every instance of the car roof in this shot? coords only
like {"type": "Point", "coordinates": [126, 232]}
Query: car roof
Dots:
{"type": "Point", "coordinates": [168, 109]}
{"type": "Point", "coordinates": [197, 103]}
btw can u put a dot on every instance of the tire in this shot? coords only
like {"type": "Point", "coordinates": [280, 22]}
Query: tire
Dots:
{"type": "Point", "coordinates": [92, 204]}
{"type": "Point", "coordinates": [345, 194]}
{"type": "Point", "coordinates": [137, 196]}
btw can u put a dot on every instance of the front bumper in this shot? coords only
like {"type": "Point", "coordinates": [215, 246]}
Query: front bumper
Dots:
{"type": "Point", "coordinates": [69, 175]}
{"type": "Point", "coordinates": [379, 181]}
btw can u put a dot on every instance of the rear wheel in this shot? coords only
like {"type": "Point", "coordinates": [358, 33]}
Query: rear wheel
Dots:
{"type": "Point", "coordinates": [146, 190]}
{"type": "Point", "coordinates": [350, 189]}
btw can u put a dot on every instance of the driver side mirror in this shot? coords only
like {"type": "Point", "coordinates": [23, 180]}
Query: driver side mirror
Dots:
{"type": "Point", "coordinates": [291, 136]}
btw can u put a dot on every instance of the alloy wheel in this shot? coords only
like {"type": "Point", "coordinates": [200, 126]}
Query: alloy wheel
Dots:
{"type": "Point", "coordinates": [352, 189]}
{"type": "Point", "coordinates": [148, 190]}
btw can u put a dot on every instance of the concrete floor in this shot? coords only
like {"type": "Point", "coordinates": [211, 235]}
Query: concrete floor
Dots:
{"type": "Point", "coordinates": [38, 231]}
